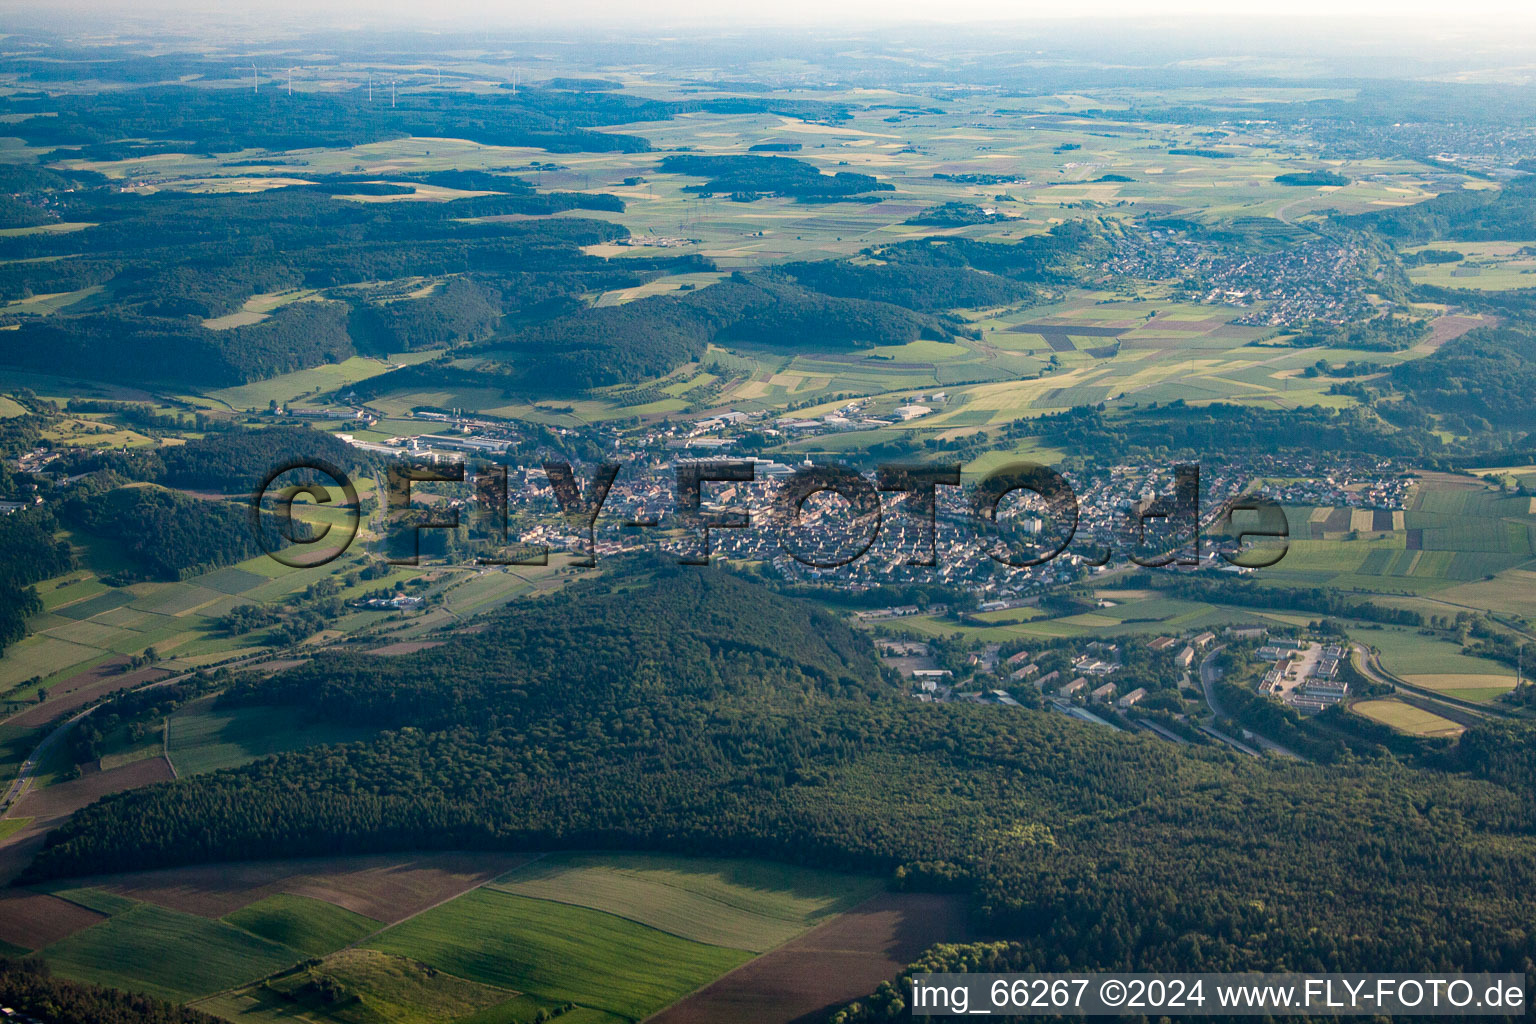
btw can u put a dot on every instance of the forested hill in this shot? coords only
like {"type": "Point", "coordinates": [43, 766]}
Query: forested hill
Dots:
{"type": "Point", "coordinates": [650, 337]}
{"type": "Point", "coordinates": [1467, 215]}
{"type": "Point", "coordinates": [167, 267]}
{"type": "Point", "coordinates": [127, 123]}
{"type": "Point", "coordinates": [684, 636]}
{"type": "Point", "coordinates": [1489, 373]}
{"type": "Point", "coordinates": [166, 535]}
{"type": "Point", "coordinates": [231, 462]}
{"type": "Point", "coordinates": [676, 708]}
{"type": "Point", "coordinates": [892, 295]}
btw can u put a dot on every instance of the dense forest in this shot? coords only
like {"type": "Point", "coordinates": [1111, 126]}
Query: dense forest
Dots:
{"type": "Point", "coordinates": [122, 346]}
{"type": "Point", "coordinates": [167, 535]}
{"type": "Point", "coordinates": [1489, 373]}
{"type": "Point", "coordinates": [1316, 600]}
{"type": "Point", "coordinates": [164, 263]}
{"type": "Point", "coordinates": [229, 462]}
{"type": "Point", "coordinates": [666, 707]}
{"type": "Point", "coordinates": [1176, 429]}
{"type": "Point", "coordinates": [121, 124]}
{"type": "Point", "coordinates": [1382, 334]}
{"type": "Point", "coordinates": [1053, 257]}
{"type": "Point", "coordinates": [650, 336]}
{"type": "Point", "coordinates": [747, 178]}
{"type": "Point", "coordinates": [1311, 178]}
{"type": "Point", "coordinates": [954, 215]}
{"type": "Point", "coordinates": [890, 296]}
{"type": "Point", "coordinates": [29, 553]}
{"type": "Point", "coordinates": [463, 310]}
{"type": "Point", "coordinates": [910, 285]}
{"type": "Point", "coordinates": [1472, 215]}
{"type": "Point", "coordinates": [27, 987]}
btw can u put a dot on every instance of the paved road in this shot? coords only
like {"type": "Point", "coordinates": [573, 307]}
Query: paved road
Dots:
{"type": "Point", "coordinates": [1370, 666]}
{"type": "Point", "coordinates": [29, 766]}
{"type": "Point", "coordinates": [1208, 676]}
{"type": "Point", "coordinates": [1231, 741]}
{"type": "Point", "coordinates": [1209, 673]}
{"type": "Point", "coordinates": [18, 785]}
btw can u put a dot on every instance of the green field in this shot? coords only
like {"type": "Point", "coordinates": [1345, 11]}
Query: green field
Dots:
{"type": "Point", "coordinates": [308, 925]}
{"type": "Point", "coordinates": [1439, 664]}
{"type": "Point", "coordinates": [165, 953]}
{"type": "Point", "coordinates": [99, 900]}
{"type": "Point", "coordinates": [1486, 266]}
{"type": "Point", "coordinates": [326, 377]}
{"type": "Point", "coordinates": [380, 989]}
{"type": "Point", "coordinates": [201, 738]}
{"type": "Point", "coordinates": [559, 952]}
{"type": "Point", "coordinates": [740, 904]}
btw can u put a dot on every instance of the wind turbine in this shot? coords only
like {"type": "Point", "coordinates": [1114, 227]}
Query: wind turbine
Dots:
{"type": "Point", "coordinates": [255, 84]}
{"type": "Point", "coordinates": [370, 89]}
{"type": "Point", "coordinates": [290, 81]}
{"type": "Point", "coordinates": [391, 93]}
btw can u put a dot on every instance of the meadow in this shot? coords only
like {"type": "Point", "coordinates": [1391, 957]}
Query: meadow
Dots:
{"type": "Point", "coordinates": [559, 952]}
{"type": "Point", "coordinates": [200, 738]}
{"type": "Point", "coordinates": [1485, 266]}
{"type": "Point", "coordinates": [380, 989]}
{"type": "Point", "coordinates": [165, 953]}
{"type": "Point", "coordinates": [311, 926]}
{"type": "Point", "coordinates": [1439, 664]}
{"type": "Point", "coordinates": [738, 904]}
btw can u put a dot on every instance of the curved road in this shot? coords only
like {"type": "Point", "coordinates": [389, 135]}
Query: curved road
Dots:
{"type": "Point", "coordinates": [1208, 676]}
{"type": "Point", "coordinates": [1368, 664]}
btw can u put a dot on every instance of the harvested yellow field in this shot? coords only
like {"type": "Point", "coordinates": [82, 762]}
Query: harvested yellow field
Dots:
{"type": "Point", "coordinates": [1407, 718]}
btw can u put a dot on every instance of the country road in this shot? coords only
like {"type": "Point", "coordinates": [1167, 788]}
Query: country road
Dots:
{"type": "Point", "coordinates": [18, 785]}
{"type": "Point", "coordinates": [17, 788]}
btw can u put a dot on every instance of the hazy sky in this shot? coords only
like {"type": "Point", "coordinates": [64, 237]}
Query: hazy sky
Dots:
{"type": "Point", "coordinates": [459, 13]}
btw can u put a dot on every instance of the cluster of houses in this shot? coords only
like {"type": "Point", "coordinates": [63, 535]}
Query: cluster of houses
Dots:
{"type": "Point", "coordinates": [854, 416]}
{"type": "Point", "coordinates": [396, 603]}
{"type": "Point", "coordinates": [1305, 674]}
{"type": "Point", "coordinates": [1186, 657]}
{"type": "Point", "coordinates": [1315, 282]}
{"type": "Point", "coordinates": [1087, 681]}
